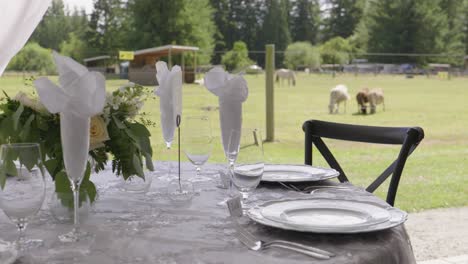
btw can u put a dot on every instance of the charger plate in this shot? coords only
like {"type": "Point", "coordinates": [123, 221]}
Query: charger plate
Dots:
{"type": "Point", "coordinates": [296, 173]}
{"type": "Point", "coordinates": [323, 215]}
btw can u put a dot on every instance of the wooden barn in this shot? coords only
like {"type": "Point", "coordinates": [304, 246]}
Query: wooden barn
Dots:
{"type": "Point", "coordinates": [142, 68]}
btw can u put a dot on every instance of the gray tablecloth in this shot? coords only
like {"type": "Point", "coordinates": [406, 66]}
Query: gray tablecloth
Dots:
{"type": "Point", "coordinates": [136, 228]}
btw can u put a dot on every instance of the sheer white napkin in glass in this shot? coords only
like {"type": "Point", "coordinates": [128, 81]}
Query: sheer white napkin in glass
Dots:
{"type": "Point", "coordinates": [80, 96]}
{"type": "Point", "coordinates": [170, 94]}
{"type": "Point", "coordinates": [18, 19]}
{"type": "Point", "coordinates": [232, 91]}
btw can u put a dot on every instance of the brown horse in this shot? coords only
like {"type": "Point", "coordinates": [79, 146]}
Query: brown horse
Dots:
{"type": "Point", "coordinates": [362, 99]}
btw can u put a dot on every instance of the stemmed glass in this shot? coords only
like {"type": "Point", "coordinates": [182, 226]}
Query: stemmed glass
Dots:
{"type": "Point", "coordinates": [22, 185]}
{"type": "Point", "coordinates": [197, 141]}
{"type": "Point", "coordinates": [247, 168]}
{"type": "Point", "coordinates": [74, 133]}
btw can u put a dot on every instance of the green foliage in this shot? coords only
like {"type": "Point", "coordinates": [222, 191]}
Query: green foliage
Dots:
{"type": "Point", "coordinates": [302, 54]}
{"type": "Point", "coordinates": [74, 47]}
{"type": "Point", "coordinates": [129, 140]}
{"type": "Point", "coordinates": [342, 18]}
{"type": "Point", "coordinates": [237, 58]}
{"type": "Point", "coordinates": [33, 58]}
{"type": "Point", "coordinates": [53, 28]}
{"type": "Point", "coordinates": [402, 26]}
{"type": "Point", "coordinates": [305, 20]}
{"type": "Point", "coordinates": [108, 26]}
{"type": "Point", "coordinates": [276, 27]}
{"type": "Point", "coordinates": [336, 51]}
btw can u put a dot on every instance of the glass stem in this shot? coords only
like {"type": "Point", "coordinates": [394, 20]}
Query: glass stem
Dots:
{"type": "Point", "coordinates": [198, 171]}
{"type": "Point", "coordinates": [21, 225]}
{"type": "Point", "coordinates": [76, 200]}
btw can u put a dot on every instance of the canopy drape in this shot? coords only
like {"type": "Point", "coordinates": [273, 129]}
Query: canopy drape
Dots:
{"type": "Point", "coordinates": [18, 19]}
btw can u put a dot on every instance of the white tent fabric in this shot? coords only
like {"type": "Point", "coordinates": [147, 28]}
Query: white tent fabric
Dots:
{"type": "Point", "coordinates": [18, 19]}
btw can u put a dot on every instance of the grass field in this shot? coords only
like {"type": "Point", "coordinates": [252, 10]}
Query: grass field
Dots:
{"type": "Point", "coordinates": [436, 173]}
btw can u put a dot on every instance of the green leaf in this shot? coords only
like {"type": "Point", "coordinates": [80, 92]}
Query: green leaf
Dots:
{"type": "Point", "coordinates": [139, 130]}
{"type": "Point", "coordinates": [51, 165]}
{"type": "Point", "coordinates": [118, 123]}
{"type": "Point", "coordinates": [24, 134]}
{"type": "Point", "coordinates": [62, 184]}
{"type": "Point", "coordinates": [138, 167]}
{"type": "Point", "coordinates": [6, 128]}
{"type": "Point", "coordinates": [29, 159]}
{"type": "Point", "coordinates": [16, 116]}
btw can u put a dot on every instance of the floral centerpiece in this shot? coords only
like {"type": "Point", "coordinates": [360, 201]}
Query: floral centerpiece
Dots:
{"type": "Point", "coordinates": [118, 134]}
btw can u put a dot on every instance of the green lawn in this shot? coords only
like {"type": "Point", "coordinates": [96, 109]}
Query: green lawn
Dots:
{"type": "Point", "coordinates": [435, 175]}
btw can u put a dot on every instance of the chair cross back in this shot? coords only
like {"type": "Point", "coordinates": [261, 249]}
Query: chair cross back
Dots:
{"type": "Point", "coordinates": [408, 137]}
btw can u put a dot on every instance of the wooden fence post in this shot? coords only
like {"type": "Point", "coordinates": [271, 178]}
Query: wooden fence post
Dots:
{"type": "Point", "coordinates": [269, 91]}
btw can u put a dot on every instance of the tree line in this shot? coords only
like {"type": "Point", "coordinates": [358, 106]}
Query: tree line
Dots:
{"type": "Point", "coordinates": [316, 31]}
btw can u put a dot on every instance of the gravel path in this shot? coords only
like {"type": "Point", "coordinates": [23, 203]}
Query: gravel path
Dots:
{"type": "Point", "coordinates": [439, 233]}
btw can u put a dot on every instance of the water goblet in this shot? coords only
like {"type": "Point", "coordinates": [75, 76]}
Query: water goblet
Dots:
{"type": "Point", "coordinates": [197, 141]}
{"type": "Point", "coordinates": [22, 187]}
{"type": "Point", "coordinates": [248, 166]}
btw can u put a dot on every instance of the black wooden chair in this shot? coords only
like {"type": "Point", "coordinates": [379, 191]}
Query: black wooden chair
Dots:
{"type": "Point", "coordinates": [408, 137]}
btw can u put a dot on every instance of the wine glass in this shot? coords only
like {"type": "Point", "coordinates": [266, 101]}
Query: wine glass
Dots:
{"type": "Point", "coordinates": [248, 166]}
{"type": "Point", "coordinates": [22, 187]}
{"type": "Point", "coordinates": [197, 141]}
{"type": "Point", "coordinates": [74, 134]}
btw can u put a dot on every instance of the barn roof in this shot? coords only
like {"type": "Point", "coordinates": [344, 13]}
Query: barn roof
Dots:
{"type": "Point", "coordinates": [103, 57]}
{"type": "Point", "coordinates": [165, 50]}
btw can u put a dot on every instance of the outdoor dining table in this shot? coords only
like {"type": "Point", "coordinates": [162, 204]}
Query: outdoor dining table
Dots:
{"type": "Point", "coordinates": [152, 228]}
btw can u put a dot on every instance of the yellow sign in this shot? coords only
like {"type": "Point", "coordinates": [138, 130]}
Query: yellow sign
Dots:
{"type": "Point", "coordinates": [443, 75]}
{"type": "Point", "coordinates": [126, 55]}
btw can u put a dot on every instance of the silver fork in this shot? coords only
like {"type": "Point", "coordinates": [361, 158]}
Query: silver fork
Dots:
{"type": "Point", "coordinates": [258, 245]}
{"type": "Point", "coordinates": [243, 232]}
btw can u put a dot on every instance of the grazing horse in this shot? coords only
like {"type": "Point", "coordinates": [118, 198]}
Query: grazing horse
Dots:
{"type": "Point", "coordinates": [362, 98]}
{"type": "Point", "coordinates": [376, 97]}
{"type": "Point", "coordinates": [286, 74]}
{"type": "Point", "coordinates": [337, 95]}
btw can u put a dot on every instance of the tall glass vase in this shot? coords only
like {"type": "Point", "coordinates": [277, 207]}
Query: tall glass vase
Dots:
{"type": "Point", "coordinates": [74, 132]}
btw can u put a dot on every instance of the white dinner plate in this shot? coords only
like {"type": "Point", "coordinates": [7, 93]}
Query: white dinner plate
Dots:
{"type": "Point", "coordinates": [323, 215]}
{"type": "Point", "coordinates": [296, 173]}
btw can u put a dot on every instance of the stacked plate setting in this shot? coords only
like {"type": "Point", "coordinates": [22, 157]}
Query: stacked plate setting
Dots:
{"type": "Point", "coordinates": [326, 215]}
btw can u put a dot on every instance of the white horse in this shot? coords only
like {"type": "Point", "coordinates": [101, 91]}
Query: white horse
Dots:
{"type": "Point", "coordinates": [376, 97]}
{"type": "Point", "coordinates": [286, 74]}
{"type": "Point", "coordinates": [338, 95]}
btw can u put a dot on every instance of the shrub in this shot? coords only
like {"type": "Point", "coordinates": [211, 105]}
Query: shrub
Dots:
{"type": "Point", "coordinates": [302, 54]}
{"type": "Point", "coordinates": [237, 58]}
{"type": "Point", "coordinates": [33, 57]}
{"type": "Point", "coordinates": [336, 51]}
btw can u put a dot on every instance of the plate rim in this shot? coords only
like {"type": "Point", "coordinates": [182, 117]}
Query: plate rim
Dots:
{"type": "Point", "coordinates": [333, 173]}
{"type": "Point", "coordinates": [397, 217]}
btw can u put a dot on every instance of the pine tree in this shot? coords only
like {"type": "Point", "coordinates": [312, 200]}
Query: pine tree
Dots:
{"type": "Point", "coordinates": [342, 17]}
{"type": "Point", "coordinates": [54, 27]}
{"type": "Point", "coordinates": [106, 33]}
{"type": "Point", "coordinates": [454, 36]}
{"type": "Point", "coordinates": [276, 27]}
{"type": "Point", "coordinates": [305, 19]}
{"type": "Point", "coordinates": [401, 26]}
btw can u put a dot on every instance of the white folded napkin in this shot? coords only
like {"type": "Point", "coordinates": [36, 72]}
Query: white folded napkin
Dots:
{"type": "Point", "coordinates": [170, 94]}
{"type": "Point", "coordinates": [18, 19]}
{"type": "Point", "coordinates": [82, 95]}
{"type": "Point", "coordinates": [232, 91]}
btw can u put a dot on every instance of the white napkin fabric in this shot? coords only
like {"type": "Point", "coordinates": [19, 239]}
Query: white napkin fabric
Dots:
{"type": "Point", "coordinates": [170, 94]}
{"type": "Point", "coordinates": [18, 19]}
{"type": "Point", "coordinates": [232, 91]}
{"type": "Point", "coordinates": [82, 93]}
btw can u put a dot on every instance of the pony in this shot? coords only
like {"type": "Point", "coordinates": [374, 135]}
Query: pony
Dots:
{"type": "Point", "coordinates": [376, 97]}
{"type": "Point", "coordinates": [286, 74]}
{"type": "Point", "coordinates": [362, 98]}
{"type": "Point", "coordinates": [338, 95]}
